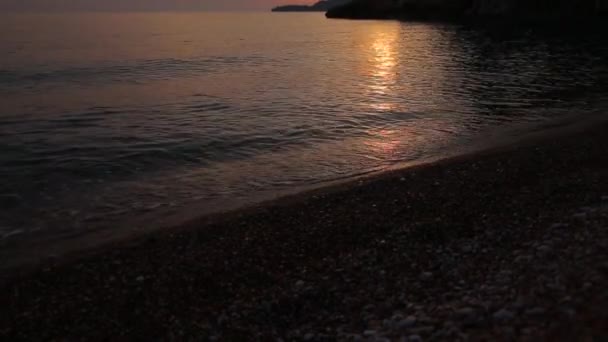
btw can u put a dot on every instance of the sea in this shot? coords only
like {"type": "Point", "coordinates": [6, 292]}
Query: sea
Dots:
{"type": "Point", "coordinates": [109, 118]}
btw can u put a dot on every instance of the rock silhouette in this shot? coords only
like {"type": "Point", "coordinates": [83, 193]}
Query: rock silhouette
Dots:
{"type": "Point", "coordinates": [533, 10]}
{"type": "Point", "coordinates": [320, 6]}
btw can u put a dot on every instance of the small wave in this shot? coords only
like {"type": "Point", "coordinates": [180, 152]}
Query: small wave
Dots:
{"type": "Point", "coordinates": [204, 107]}
{"type": "Point", "coordinates": [136, 71]}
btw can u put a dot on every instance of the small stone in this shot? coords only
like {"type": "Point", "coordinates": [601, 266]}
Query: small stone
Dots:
{"type": "Point", "coordinates": [503, 315]}
{"type": "Point", "coordinates": [309, 337]}
{"type": "Point", "coordinates": [426, 275]}
{"type": "Point", "coordinates": [570, 313]}
{"type": "Point", "coordinates": [535, 312]}
{"type": "Point", "coordinates": [369, 307]}
{"type": "Point", "coordinates": [397, 317]}
{"type": "Point", "coordinates": [414, 338]}
{"type": "Point", "coordinates": [559, 226]}
{"type": "Point", "coordinates": [580, 216]}
{"type": "Point", "coordinates": [140, 279]}
{"type": "Point", "coordinates": [11, 233]}
{"type": "Point", "coordinates": [373, 324]}
{"type": "Point", "coordinates": [544, 249]}
{"type": "Point", "coordinates": [523, 259]}
{"type": "Point", "coordinates": [406, 323]}
{"type": "Point", "coordinates": [519, 304]}
{"type": "Point", "coordinates": [528, 331]}
{"type": "Point", "coordinates": [369, 333]}
{"type": "Point", "coordinates": [465, 312]}
{"type": "Point", "coordinates": [423, 330]}
{"type": "Point", "coordinates": [222, 319]}
{"type": "Point", "coordinates": [299, 283]}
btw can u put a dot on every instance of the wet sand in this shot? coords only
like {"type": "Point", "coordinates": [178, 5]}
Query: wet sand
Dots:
{"type": "Point", "coordinates": [506, 244]}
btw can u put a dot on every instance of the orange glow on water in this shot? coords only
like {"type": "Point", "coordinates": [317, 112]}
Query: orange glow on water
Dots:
{"type": "Point", "coordinates": [382, 61]}
{"type": "Point", "coordinates": [383, 143]}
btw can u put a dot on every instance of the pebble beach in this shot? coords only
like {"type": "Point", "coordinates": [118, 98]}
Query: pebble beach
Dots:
{"type": "Point", "coordinates": [508, 244]}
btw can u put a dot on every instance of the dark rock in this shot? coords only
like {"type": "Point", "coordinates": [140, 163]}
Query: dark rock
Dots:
{"type": "Point", "coordinates": [320, 6]}
{"type": "Point", "coordinates": [503, 315]}
{"type": "Point", "coordinates": [470, 9]}
{"type": "Point", "coordinates": [535, 312]}
{"type": "Point", "coordinates": [414, 338]}
{"type": "Point", "coordinates": [464, 312]}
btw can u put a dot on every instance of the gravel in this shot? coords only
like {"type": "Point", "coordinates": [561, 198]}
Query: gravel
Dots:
{"type": "Point", "coordinates": [451, 251]}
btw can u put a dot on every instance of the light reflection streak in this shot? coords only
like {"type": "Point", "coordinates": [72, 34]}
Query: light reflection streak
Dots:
{"type": "Point", "coordinates": [382, 64]}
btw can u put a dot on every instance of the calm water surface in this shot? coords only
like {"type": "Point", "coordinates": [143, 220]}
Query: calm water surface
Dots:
{"type": "Point", "coordinates": [110, 116]}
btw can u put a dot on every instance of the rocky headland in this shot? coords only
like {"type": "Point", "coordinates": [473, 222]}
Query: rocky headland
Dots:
{"type": "Point", "coordinates": [321, 6]}
{"type": "Point", "coordinates": [532, 10]}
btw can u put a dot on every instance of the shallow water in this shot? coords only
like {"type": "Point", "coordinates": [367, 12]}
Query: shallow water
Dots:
{"type": "Point", "coordinates": [110, 116]}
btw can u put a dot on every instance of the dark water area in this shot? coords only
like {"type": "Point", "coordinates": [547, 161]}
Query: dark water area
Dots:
{"type": "Point", "coordinates": [137, 113]}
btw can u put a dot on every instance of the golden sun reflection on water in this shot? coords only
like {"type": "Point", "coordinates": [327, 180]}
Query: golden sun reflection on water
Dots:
{"type": "Point", "coordinates": [395, 71]}
{"type": "Point", "coordinates": [383, 143]}
{"type": "Point", "coordinates": [382, 73]}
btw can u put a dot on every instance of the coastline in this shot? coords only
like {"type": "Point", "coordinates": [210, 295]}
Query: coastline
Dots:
{"type": "Point", "coordinates": [486, 11]}
{"type": "Point", "coordinates": [21, 257]}
{"type": "Point", "coordinates": [288, 252]}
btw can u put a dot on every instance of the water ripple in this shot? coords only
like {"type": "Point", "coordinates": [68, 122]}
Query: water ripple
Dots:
{"type": "Point", "coordinates": [137, 71]}
{"type": "Point", "coordinates": [161, 122]}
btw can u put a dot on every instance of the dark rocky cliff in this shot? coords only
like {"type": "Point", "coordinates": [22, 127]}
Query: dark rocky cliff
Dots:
{"type": "Point", "coordinates": [321, 6]}
{"type": "Point", "coordinates": [466, 9]}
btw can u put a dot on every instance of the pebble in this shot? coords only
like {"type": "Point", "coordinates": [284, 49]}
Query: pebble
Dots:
{"type": "Point", "coordinates": [414, 338]}
{"type": "Point", "coordinates": [535, 312]}
{"type": "Point", "coordinates": [423, 330]}
{"type": "Point", "coordinates": [503, 315]}
{"type": "Point", "coordinates": [559, 226]}
{"type": "Point", "coordinates": [140, 279]}
{"type": "Point", "coordinates": [519, 304]}
{"type": "Point", "coordinates": [522, 259]}
{"type": "Point", "coordinates": [464, 312]}
{"type": "Point", "coordinates": [12, 233]}
{"type": "Point", "coordinates": [369, 333]}
{"type": "Point", "coordinates": [544, 249]}
{"type": "Point", "coordinates": [581, 215]}
{"type": "Point", "coordinates": [426, 275]}
{"type": "Point", "coordinates": [408, 322]}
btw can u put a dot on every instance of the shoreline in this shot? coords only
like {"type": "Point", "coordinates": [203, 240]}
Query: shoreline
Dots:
{"type": "Point", "coordinates": [18, 261]}
{"type": "Point", "coordinates": [333, 262]}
